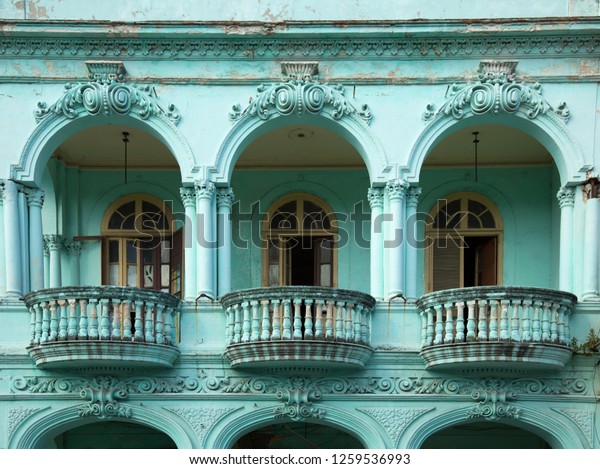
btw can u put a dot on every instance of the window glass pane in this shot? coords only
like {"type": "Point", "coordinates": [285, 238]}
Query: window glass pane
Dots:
{"type": "Point", "coordinates": [164, 275]}
{"type": "Point", "coordinates": [132, 276]}
{"type": "Point", "coordinates": [113, 251]}
{"type": "Point", "coordinates": [325, 275]}
{"type": "Point", "coordinates": [273, 251]}
{"type": "Point", "coordinates": [147, 253]}
{"type": "Point", "coordinates": [165, 251]}
{"type": "Point", "coordinates": [326, 246]}
{"type": "Point", "coordinates": [115, 221]}
{"type": "Point", "coordinates": [285, 217]}
{"type": "Point", "coordinates": [148, 276]}
{"type": "Point", "coordinates": [122, 218]}
{"type": "Point", "coordinates": [153, 217]}
{"type": "Point", "coordinates": [273, 275]}
{"type": "Point", "coordinates": [487, 220]}
{"type": "Point", "coordinates": [113, 274]}
{"type": "Point", "coordinates": [474, 221]}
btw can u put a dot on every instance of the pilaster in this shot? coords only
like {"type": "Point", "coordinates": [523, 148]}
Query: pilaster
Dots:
{"type": "Point", "coordinates": [394, 245]}
{"type": "Point", "coordinates": [375, 197]}
{"type": "Point", "coordinates": [12, 239]}
{"type": "Point", "coordinates": [412, 201]}
{"type": "Point", "coordinates": [188, 197]}
{"type": "Point", "coordinates": [73, 251]}
{"type": "Point", "coordinates": [54, 243]}
{"type": "Point", "coordinates": [225, 198]}
{"type": "Point", "coordinates": [205, 274]}
{"type": "Point", "coordinates": [35, 201]}
{"type": "Point", "coordinates": [566, 201]}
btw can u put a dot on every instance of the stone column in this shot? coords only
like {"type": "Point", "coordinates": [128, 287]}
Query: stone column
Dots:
{"type": "Point", "coordinates": [394, 247]}
{"type": "Point", "coordinates": [375, 196]}
{"type": "Point", "coordinates": [412, 201]}
{"type": "Point", "coordinates": [205, 191]}
{"type": "Point", "coordinates": [566, 200]}
{"type": "Point", "coordinates": [591, 243]}
{"type": "Point", "coordinates": [2, 258]}
{"type": "Point", "coordinates": [225, 198]}
{"type": "Point", "coordinates": [35, 201]}
{"type": "Point", "coordinates": [12, 240]}
{"type": "Point", "coordinates": [73, 250]}
{"type": "Point", "coordinates": [54, 243]}
{"type": "Point", "coordinates": [46, 265]}
{"type": "Point", "coordinates": [188, 197]}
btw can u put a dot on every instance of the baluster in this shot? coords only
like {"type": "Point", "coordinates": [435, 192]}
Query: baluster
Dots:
{"type": "Point", "coordinates": [32, 326]}
{"type": "Point", "coordinates": [339, 320]}
{"type": "Point", "coordinates": [319, 331]}
{"type": "Point", "coordinates": [170, 338]}
{"type": "Point", "coordinates": [460, 323]}
{"type": "Point", "coordinates": [504, 320]}
{"type": "Point", "coordinates": [536, 327]}
{"type": "Point", "coordinates": [482, 320]}
{"type": "Point", "coordinates": [255, 325]}
{"type": "Point", "coordinates": [266, 323]}
{"type": "Point", "coordinates": [329, 321]}
{"type": "Point", "coordinates": [348, 323]}
{"type": "Point", "coordinates": [308, 320]}
{"type": "Point", "coordinates": [297, 331]}
{"type": "Point", "coordinates": [493, 333]}
{"type": "Point", "coordinates": [72, 322]}
{"type": "Point", "coordinates": [276, 318]}
{"type": "Point", "coordinates": [104, 320]}
{"type": "Point", "coordinates": [554, 323]}
{"type": "Point", "coordinates": [439, 325]}
{"type": "Point", "coordinates": [246, 320]}
{"type": "Point", "coordinates": [229, 325]}
{"type": "Point", "coordinates": [45, 322]}
{"type": "Point", "coordinates": [39, 320]}
{"type": "Point", "coordinates": [424, 329]}
{"type": "Point", "coordinates": [358, 314]}
{"type": "Point", "coordinates": [149, 322]}
{"type": "Point", "coordinates": [160, 323]}
{"type": "Point", "coordinates": [449, 325]}
{"type": "Point", "coordinates": [93, 325]}
{"type": "Point", "coordinates": [287, 321]}
{"type": "Point", "coordinates": [83, 320]}
{"type": "Point", "coordinates": [471, 336]}
{"type": "Point", "coordinates": [515, 333]}
{"type": "Point", "coordinates": [545, 322]}
{"type": "Point", "coordinates": [567, 321]}
{"type": "Point", "coordinates": [526, 335]}
{"type": "Point", "coordinates": [430, 325]}
{"type": "Point", "coordinates": [116, 319]}
{"type": "Point", "coordinates": [62, 321]}
{"type": "Point", "coordinates": [126, 332]}
{"type": "Point", "coordinates": [237, 325]}
{"type": "Point", "coordinates": [562, 339]}
{"type": "Point", "coordinates": [365, 334]}
{"type": "Point", "coordinates": [138, 335]}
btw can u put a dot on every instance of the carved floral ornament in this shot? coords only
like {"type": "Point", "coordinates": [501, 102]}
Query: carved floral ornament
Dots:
{"type": "Point", "coordinates": [106, 94]}
{"type": "Point", "coordinates": [496, 91]}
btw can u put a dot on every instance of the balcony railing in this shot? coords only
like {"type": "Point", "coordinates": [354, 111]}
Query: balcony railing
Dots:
{"type": "Point", "coordinates": [492, 326]}
{"type": "Point", "coordinates": [298, 325]}
{"type": "Point", "coordinates": [104, 325]}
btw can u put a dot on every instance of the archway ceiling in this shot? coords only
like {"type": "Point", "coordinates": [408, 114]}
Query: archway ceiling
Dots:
{"type": "Point", "coordinates": [102, 147]}
{"type": "Point", "coordinates": [498, 146]}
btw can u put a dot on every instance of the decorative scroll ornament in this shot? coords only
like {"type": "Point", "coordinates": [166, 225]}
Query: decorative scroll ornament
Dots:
{"type": "Point", "coordinates": [493, 400]}
{"type": "Point", "coordinates": [300, 97]}
{"type": "Point", "coordinates": [103, 393]}
{"type": "Point", "coordinates": [297, 397]}
{"type": "Point", "coordinates": [495, 91]}
{"type": "Point", "coordinates": [106, 94]}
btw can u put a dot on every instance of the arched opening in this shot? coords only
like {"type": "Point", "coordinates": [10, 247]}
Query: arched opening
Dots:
{"type": "Point", "coordinates": [298, 435]}
{"type": "Point", "coordinates": [111, 435]}
{"type": "Point", "coordinates": [484, 435]}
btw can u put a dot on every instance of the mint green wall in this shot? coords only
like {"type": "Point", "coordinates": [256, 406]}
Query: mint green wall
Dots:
{"type": "Point", "coordinates": [339, 189]}
{"type": "Point", "coordinates": [525, 197]}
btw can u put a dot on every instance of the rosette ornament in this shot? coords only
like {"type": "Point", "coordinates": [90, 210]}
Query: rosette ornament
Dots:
{"type": "Point", "coordinates": [300, 97]}
{"type": "Point", "coordinates": [495, 91]}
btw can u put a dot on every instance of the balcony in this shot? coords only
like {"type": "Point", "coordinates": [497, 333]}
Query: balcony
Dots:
{"type": "Point", "coordinates": [308, 327]}
{"type": "Point", "coordinates": [102, 326]}
{"type": "Point", "coordinates": [496, 327]}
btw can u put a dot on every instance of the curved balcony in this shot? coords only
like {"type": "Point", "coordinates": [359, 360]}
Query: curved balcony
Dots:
{"type": "Point", "coordinates": [102, 326]}
{"type": "Point", "coordinates": [496, 327]}
{"type": "Point", "coordinates": [308, 327]}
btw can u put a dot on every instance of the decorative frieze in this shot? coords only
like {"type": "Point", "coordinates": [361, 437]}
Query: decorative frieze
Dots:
{"type": "Point", "coordinates": [17, 415]}
{"type": "Point", "coordinates": [495, 91]}
{"type": "Point", "coordinates": [395, 420]}
{"type": "Point", "coordinates": [202, 419]}
{"type": "Point", "coordinates": [584, 419]}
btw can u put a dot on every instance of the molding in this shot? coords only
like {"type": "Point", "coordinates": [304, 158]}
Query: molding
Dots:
{"type": "Point", "coordinates": [395, 420]}
{"type": "Point", "coordinates": [299, 97]}
{"type": "Point", "coordinates": [583, 419]}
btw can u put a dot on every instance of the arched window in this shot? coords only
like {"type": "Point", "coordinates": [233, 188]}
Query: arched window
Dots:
{"type": "Point", "coordinates": [139, 246]}
{"type": "Point", "coordinates": [465, 243]}
{"type": "Point", "coordinates": [299, 243]}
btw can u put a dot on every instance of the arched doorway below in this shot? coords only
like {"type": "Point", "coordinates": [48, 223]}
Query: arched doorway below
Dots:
{"type": "Point", "coordinates": [113, 435]}
{"type": "Point", "coordinates": [295, 435]}
{"type": "Point", "coordinates": [484, 435]}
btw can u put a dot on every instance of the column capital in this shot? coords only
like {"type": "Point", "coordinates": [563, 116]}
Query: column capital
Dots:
{"type": "Point", "coordinates": [188, 196]}
{"type": "Point", "coordinates": [375, 196]}
{"type": "Point", "coordinates": [396, 188]}
{"type": "Point", "coordinates": [225, 197]}
{"type": "Point", "coordinates": [204, 189]}
{"type": "Point", "coordinates": [412, 196]}
{"type": "Point", "coordinates": [73, 248]}
{"type": "Point", "coordinates": [566, 196]}
{"type": "Point", "coordinates": [35, 197]}
{"type": "Point", "coordinates": [9, 190]}
{"type": "Point", "coordinates": [53, 241]}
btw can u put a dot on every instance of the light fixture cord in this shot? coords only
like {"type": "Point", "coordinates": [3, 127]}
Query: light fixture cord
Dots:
{"type": "Point", "coordinates": [475, 141]}
{"type": "Point", "coordinates": [125, 141]}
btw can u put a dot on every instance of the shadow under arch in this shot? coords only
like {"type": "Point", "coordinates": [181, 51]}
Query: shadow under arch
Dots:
{"type": "Point", "coordinates": [353, 129]}
{"type": "Point", "coordinates": [548, 129]}
{"type": "Point", "coordinates": [225, 436]}
{"type": "Point", "coordinates": [55, 129]}
{"type": "Point", "coordinates": [557, 431]}
{"type": "Point", "coordinates": [57, 422]}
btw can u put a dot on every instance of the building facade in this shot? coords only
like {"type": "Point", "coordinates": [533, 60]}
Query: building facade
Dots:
{"type": "Point", "coordinates": [288, 225]}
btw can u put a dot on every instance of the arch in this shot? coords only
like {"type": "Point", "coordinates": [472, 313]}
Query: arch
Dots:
{"type": "Point", "coordinates": [56, 422]}
{"type": "Point", "coordinates": [224, 435]}
{"type": "Point", "coordinates": [54, 129]}
{"type": "Point", "coordinates": [558, 431]}
{"type": "Point", "coordinates": [350, 127]}
{"type": "Point", "coordinates": [547, 128]}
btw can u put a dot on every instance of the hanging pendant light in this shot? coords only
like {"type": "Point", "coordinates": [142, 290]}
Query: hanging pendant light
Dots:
{"type": "Point", "coordinates": [475, 142]}
{"type": "Point", "coordinates": [125, 142]}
